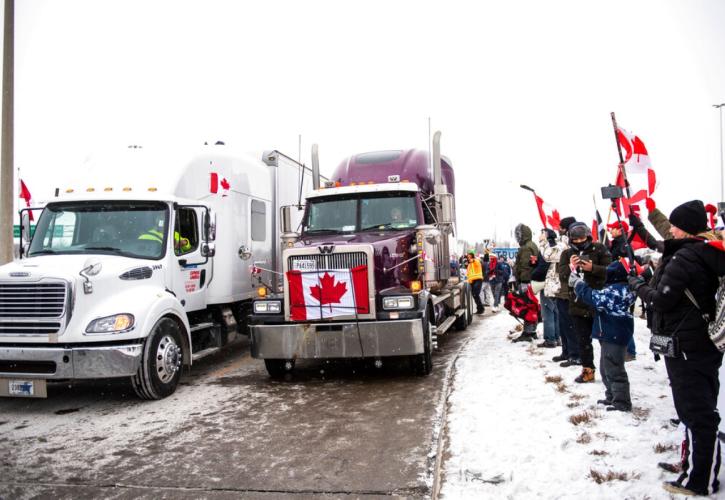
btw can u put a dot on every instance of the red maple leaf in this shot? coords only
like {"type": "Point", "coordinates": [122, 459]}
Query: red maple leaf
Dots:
{"type": "Point", "coordinates": [225, 183]}
{"type": "Point", "coordinates": [328, 292]}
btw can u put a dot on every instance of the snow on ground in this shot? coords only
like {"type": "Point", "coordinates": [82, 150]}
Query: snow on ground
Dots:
{"type": "Point", "coordinates": [510, 431]}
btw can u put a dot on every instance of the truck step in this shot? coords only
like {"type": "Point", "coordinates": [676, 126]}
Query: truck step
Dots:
{"type": "Point", "coordinates": [443, 328]}
{"type": "Point", "coordinates": [203, 354]}
{"type": "Point", "coordinates": [440, 298]}
{"type": "Point", "coordinates": [201, 326]}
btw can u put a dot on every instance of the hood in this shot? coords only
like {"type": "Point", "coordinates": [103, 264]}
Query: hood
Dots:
{"type": "Point", "coordinates": [522, 233]}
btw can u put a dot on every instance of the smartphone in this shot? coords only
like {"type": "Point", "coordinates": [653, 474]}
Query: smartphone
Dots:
{"type": "Point", "coordinates": [585, 258]}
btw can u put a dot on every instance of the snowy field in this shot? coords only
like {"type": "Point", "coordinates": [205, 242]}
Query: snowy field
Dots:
{"type": "Point", "coordinates": [520, 427]}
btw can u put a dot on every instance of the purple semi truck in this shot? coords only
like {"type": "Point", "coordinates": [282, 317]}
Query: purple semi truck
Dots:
{"type": "Point", "coordinates": [369, 273]}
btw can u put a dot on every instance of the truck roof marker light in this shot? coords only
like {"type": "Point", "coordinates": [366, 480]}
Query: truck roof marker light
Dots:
{"type": "Point", "coordinates": [127, 189]}
{"type": "Point", "coordinates": [90, 190]}
{"type": "Point", "coordinates": [353, 183]}
{"type": "Point", "coordinates": [371, 182]}
{"type": "Point", "coordinates": [338, 184]}
{"type": "Point", "coordinates": [415, 286]}
{"type": "Point", "coordinates": [261, 292]}
{"type": "Point", "coordinates": [108, 189]}
{"type": "Point", "coordinates": [69, 190]}
{"type": "Point", "coordinates": [152, 189]}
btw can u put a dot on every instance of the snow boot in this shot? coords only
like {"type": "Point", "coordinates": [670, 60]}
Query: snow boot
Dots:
{"type": "Point", "coordinates": [559, 358]}
{"type": "Point", "coordinates": [675, 468]}
{"type": "Point", "coordinates": [571, 362]}
{"type": "Point", "coordinates": [675, 487]}
{"type": "Point", "coordinates": [549, 344]}
{"type": "Point", "coordinates": [587, 375]}
{"type": "Point", "coordinates": [524, 337]}
{"type": "Point", "coordinates": [626, 409]}
{"type": "Point", "coordinates": [605, 402]}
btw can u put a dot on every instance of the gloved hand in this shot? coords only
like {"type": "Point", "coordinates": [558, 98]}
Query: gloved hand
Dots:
{"type": "Point", "coordinates": [634, 220]}
{"type": "Point", "coordinates": [635, 282]}
{"type": "Point", "coordinates": [574, 278]}
{"type": "Point", "coordinates": [650, 203]}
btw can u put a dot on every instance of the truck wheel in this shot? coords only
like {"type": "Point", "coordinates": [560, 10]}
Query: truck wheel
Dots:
{"type": "Point", "coordinates": [422, 364]}
{"type": "Point", "coordinates": [278, 368]}
{"type": "Point", "coordinates": [467, 317]}
{"type": "Point", "coordinates": [160, 369]}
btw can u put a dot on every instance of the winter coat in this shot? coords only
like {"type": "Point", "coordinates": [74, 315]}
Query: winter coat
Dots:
{"type": "Point", "coordinates": [686, 264]}
{"type": "Point", "coordinates": [473, 271]}
{"type": "Point", "coordinates": [600, 258]}
{"type": "Point", "coordinates": [563, 292]}
{"type": "Point", "coordinates": [527, 253]}
{"type": "Point", "coordinates": [503, 272]}
{"type": "Point", "coordinates": [641, 231]}
{"type": "Point", "coordinates": [613, 322]}
{"type": "Point", "coordinates": [552, 256]}
{"type": "Point", "coordinates": [618, 247]}
{"type": "Point", "coordinates": [661, 223]}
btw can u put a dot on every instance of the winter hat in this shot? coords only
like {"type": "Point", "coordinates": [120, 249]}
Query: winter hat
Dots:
{"type": "Point", "coordinates": [690, 217]}
{"type": "Point", "coordinates": [615, 225]}
{"type": "Point", "coordinates": [578, 230]}
{"type": "Point", "coordinates": [566, 222]}
{"type": "Point", "coordinates": [616, 273]}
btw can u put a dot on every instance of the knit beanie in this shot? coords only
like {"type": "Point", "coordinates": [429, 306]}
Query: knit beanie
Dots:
{"type": "Point", "coordinates": [616, 273]}
{"type": "Point", "coordinates": [566, 222]}
{"type": "Point", "coordinates": [690, 217]}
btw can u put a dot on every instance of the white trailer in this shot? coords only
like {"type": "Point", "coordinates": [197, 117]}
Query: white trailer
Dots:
{"type": "Point", "coordinates": [142, 264]}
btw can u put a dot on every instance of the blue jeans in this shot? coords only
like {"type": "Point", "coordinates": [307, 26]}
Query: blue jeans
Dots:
{"type": "Point", "coordinates": [569, 341]}
{"type": "Point", "coordinates": [550, 315]}
{"type": "Point", "coordinates": [498, 291]}
{"type": "Point", "coordinates": [631, 348]}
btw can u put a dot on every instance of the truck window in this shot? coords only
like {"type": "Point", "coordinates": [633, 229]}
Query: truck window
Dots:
{"type": "Point", "coordinates": [128, 228]}
{"type": "Point", "coordinates": [259, 220]}
{"type": "Point", "coordinates": [186, 231]}
{"type": "Point", "coordinates": [394, 212]}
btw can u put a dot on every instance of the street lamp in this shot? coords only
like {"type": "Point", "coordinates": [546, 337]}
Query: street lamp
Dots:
{"type": "Point", "coordinates": [719, 106]}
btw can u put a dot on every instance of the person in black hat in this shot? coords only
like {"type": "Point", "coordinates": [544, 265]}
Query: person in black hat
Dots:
{"type": "Point", "coordinates": [689, 264]}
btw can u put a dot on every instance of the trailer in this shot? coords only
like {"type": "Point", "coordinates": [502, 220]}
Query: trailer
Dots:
{"type": "Point", "coordinates": [369, 273]}
{"type": "Point", "coordinates": [144, 262]}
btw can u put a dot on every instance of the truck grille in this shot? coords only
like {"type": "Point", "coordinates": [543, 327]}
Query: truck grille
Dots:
{"type": "Point", "coordinates": [32, 308]}
{"type": "Point", "coordinates": [347, 260]}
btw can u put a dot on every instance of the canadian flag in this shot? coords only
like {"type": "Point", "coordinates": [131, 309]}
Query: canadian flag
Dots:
{"type": "Point", "coordinates": [328, 294]}
{"type": "Point", "coordinates": [551, 219]}
{"type": "Point", "coordinates": [640, 174]}
{"type": "Point", "coordinates": [215, 183]}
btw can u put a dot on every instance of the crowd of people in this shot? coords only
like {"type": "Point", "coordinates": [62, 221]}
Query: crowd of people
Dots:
{"type": "Point", "coordinates": [587, 289]}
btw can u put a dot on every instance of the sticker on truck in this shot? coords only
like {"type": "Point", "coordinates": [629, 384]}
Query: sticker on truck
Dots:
{"type": "Point", "coordinates": [23, 388]}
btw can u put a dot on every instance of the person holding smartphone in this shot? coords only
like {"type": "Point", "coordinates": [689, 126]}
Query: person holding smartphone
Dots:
{"type": "Point", "coordinates": [589, 259]}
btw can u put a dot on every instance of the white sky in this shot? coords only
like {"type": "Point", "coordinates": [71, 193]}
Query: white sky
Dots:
{"type": "Point", "coordinates": [521, 90]}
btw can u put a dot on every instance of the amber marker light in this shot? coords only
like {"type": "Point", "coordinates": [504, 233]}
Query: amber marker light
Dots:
{"type": "Point", "coordinates": [415, 286]}
{"type": "Point", "coordinates": [262, 292]}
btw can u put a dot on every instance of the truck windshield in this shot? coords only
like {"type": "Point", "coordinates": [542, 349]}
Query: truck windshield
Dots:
{"type": "Point", "coordinates": [132, 229]}
{"type": "Point", "coordinates": [363, 212]}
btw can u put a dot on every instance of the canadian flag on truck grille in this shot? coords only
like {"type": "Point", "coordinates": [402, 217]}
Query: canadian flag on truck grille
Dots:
{"type": "Point", "coordinates": [327, 294]}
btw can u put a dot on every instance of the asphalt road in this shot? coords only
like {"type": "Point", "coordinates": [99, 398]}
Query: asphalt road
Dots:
{"type": "Point", "coordinates": [342, 430]}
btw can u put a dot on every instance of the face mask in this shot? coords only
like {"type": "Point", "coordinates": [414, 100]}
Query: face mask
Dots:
{"type": "Point", "coordinates": [581, 246]}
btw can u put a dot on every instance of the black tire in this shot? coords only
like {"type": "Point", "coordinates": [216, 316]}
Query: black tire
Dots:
{"type": "Point", "coordinates": [467, 317]}
{"type": "Point", "coordinates": [422, 364]}
{"type": "Point", "coordinates": [160, 369]}
{"type": "Point", "coordinates": [279, 368]}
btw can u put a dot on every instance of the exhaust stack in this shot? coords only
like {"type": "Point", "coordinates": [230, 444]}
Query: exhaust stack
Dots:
{"type": "Point", "coordinates": [315, 167]}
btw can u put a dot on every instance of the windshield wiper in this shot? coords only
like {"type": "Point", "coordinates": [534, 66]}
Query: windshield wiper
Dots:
{"type": "Point", "coordinates": [42, 252]}
{"type": "Point", "coordinates": [109, 249]}
{"type": "Point", "coordinates": [322, 231]}
{"type": "Point", "coordinates": [387, 225]}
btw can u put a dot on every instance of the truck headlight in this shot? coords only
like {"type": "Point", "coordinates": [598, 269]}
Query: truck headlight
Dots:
{"type": "Point", "coordinates": [405, 302]}
{"type": "Point", "coordinates": [111, 324]}
{"type": "Point", "coordinates": [268, 306]}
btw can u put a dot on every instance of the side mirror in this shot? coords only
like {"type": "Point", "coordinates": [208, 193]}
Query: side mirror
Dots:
{"type": "Point", "coordinates": [208, 250]}
{"type": "Point", "coordinates": [25, 226]}
{"type": "Point", "coordinates": [285, 219]}
{"type": "Point", "coordinates": [448, 214]}
{"type": "Point", "coordinates": [210, 225]}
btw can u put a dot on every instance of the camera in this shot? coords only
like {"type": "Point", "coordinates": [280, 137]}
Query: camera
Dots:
{"type": "Point", "coordinates": [612, 192]}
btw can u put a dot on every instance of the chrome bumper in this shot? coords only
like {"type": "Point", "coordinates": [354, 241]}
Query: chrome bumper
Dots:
{"type": "Point", "coordinates": [337, 340]}
{"type": "Point", "coordinates": [69, 363]}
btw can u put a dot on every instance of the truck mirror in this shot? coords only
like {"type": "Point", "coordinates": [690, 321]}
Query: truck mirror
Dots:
{"type": "Point", "coordinates": [285, 219]}
{"type": "Point", "coordinates": [25, 226]}
{"type": "Point", "coordinates": [210, 225]}
{"type": "Point", "coordinates": [447, 209]}
{"type": "Point", "coordinates": [208, 249]}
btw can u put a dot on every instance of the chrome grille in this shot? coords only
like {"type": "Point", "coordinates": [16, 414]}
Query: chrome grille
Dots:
{"type": "Point", "coordinates": [32, 308]}
{"type": "Point", "coordinates": [346, 260]}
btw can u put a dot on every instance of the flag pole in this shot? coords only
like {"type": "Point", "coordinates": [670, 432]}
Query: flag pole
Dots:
{"type": "Point", "coordinates": [621, 158]}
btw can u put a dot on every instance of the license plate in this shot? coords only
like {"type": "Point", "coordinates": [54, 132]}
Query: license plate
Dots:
{"type": "Point", "coordinates": [304, 265]}
{"type": "Point", "coordinates": [23, 388]}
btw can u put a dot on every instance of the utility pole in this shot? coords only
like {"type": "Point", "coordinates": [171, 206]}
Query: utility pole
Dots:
{"type": "Point", "coordinates": [722, 172]}
{"type": "Point", "coordinates": [7, 181]}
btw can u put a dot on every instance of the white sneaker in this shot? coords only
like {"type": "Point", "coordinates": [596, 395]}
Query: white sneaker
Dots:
{"type": "Point", "coordinates": [494, 309]}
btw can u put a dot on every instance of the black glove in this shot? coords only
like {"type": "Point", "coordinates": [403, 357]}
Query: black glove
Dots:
{"type": "Point", "coordinates": [634, 221]}
{"type": "Point", "coordinates": [635, 282]}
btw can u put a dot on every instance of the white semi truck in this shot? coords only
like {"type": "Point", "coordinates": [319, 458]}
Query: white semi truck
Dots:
{"type": "Point", "coordinates": [145, 262]}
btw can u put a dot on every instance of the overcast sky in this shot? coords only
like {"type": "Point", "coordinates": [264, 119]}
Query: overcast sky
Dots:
{"type": "Point", "coordinates": [522, 90]}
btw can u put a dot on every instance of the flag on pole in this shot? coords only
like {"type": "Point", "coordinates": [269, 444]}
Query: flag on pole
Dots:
{"type": "Point", "coordinates": [25, 195]}
{"type": "Point", "coordinates": [328, 293]}
{"type": "Point", "coordinates": [640, 176]}
{"type": "Point", "coordinates": [550, 219]}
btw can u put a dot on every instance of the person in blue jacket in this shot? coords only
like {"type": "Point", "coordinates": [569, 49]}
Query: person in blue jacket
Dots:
{"type": "Point", "coordinates": [613, 326]}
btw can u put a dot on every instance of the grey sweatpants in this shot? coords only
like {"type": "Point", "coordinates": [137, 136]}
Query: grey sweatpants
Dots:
{"type": "Point", "coordinates": [614, 375]}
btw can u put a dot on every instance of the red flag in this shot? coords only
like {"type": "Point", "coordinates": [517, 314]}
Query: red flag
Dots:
{"type": "Point", "coordinates": [25, 195]}
{"type": "Point", "coordinates": [552, 220]}
{"type": "Point", "coordinates": [595, 231]}
{"type": "Point", "coordinates": [712, 213]}
{"type": "Point", "coordinates": [328, 293]}
{"type": "Point", "coordinates": [214, 183]}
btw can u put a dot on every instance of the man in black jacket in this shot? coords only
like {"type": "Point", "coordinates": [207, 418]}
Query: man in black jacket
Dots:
{"type": "Point", "coordinates": [590, 259]}
{"type": "Point", "coordinates": [689, 263]}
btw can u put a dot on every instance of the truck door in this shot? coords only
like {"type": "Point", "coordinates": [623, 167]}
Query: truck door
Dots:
{"type": "Point", "coordinates": [192, 271]}
{"type": "Point", "coordinates": [260, 234]}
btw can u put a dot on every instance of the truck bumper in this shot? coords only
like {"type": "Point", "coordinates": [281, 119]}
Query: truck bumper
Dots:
{"type": "Point", "coordinates": [70, 363]}
{"type": "Point", "coordinates": [337, 340]}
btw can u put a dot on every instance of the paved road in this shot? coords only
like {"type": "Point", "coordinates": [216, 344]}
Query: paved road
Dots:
{"type": "Point", "coordinates": [339, 430]}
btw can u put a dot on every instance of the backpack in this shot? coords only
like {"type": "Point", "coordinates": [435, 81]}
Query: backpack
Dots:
{"type": "Point", "coordinates": [716, 325]}
{"type": "Point", "coordinates": [542, 267]}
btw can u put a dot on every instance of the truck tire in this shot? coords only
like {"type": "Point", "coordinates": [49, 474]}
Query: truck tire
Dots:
{"type": "Point", "coordinates": [278, 368]}
{"type": "Point", "coordinates": [160, 369]}
{"type": "Point", "coordinates": [422, 364]}
{"type": "Point", "coordinates": [467, 317]}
